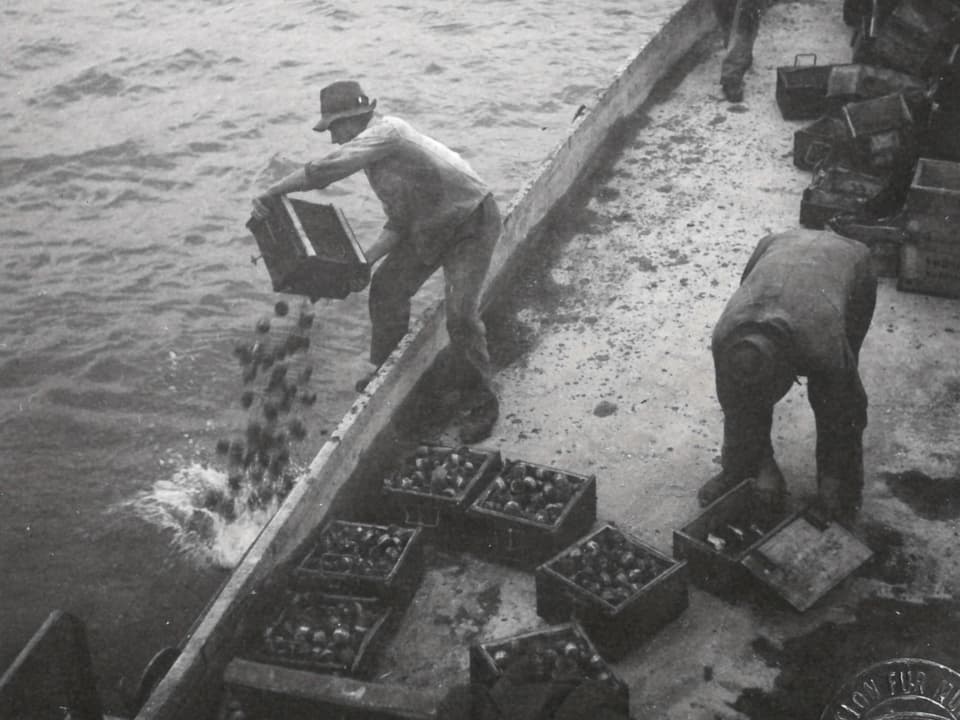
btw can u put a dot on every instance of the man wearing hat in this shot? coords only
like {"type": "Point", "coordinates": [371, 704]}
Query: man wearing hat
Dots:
{"type": "Point", "coordinates": [803, 308]}
{"type": "Point", "coordinates": [439, 214]}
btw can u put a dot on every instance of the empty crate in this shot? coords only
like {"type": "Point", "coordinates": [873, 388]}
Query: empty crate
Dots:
{"type": "Point", "coordinates": [738, 544]}
{"type": "Point", "coordinates": [309, 249]}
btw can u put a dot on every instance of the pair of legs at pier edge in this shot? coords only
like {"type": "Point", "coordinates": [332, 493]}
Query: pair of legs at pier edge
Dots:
{"type": "Point", "coordinates": [465, 263]}
{"type": "Point", "coordinates": [741, 21]}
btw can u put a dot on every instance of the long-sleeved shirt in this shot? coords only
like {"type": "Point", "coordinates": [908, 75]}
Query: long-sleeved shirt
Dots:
{"type": "Point", "coordinates": [427, 190]}
{"type": "Point", "coordinates": [803, 285]}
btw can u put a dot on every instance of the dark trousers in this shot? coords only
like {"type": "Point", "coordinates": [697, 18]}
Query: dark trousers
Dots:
{"type": "Point", "coordinates": [839, 404]}
{"type": "Point", "coordinates": [465, 263]}
{"type": "Point", "coordinates": [743, 19]}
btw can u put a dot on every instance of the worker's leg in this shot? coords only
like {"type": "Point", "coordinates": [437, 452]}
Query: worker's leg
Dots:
{"type": "Point", "coordinates": [465, 267]}
{"type": "Point", "coordinates": [392, 286]}
{"type": "Point", "coordinates": [839, 403]}
{"type": "Point", "coordinates": [860, 309]}
{"type": "Point", "coordinates": [747, 422]}
{"type": "Point", "coordinates": [739, 57]}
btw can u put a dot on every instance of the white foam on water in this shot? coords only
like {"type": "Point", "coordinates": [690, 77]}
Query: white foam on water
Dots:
{"type": "Point", "coordinates": [207, 534]}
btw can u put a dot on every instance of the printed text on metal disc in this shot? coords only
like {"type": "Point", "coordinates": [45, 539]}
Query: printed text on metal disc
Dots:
{"type": "Point", "coordinates": [899, 689]}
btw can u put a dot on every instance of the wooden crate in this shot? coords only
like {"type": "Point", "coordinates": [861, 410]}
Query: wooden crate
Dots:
{"type": "Point", "coordinates": [818, 141]}
{"type": "Point", "coordinates": [299, 610]}
{"type": "Point", "coordinates": [882, 130]}
{"type": "Point", "coordinates": [792, 557]}
{"type": "Point", "coordinates": [801, 90]}
{"type": "Point", "coordinates": [487, 664]}
{"type": "Point", "coordinates": [837, 190]}
{"type": "Point", "coordinates": [933, 201]}
{"type": "Point", "coordinates": [442, 517]}
{"type": "Point", "coordinates": [931, 268]}
{"type": "Point", "coordinates": [396, 587]}
{"type": "Point", "coordinates": [719, 572]}
{"type": "Point", "coordinates": [524, 542]}
{"type": "Point", "coordinates": [309, 249]}
{"type": "Point", "coordinates": [616, 626]}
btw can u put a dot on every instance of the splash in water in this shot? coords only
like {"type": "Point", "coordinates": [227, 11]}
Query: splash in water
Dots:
{"type": "Point", "coordinates": [218, 513]}
{"type": "Point", "coordinates": [208, 520]}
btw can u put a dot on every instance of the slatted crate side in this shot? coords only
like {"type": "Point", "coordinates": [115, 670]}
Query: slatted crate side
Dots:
{"type": "Point", "coordinates": [525, 543]}
{"type": "Point", "coordinates": [397, 587]}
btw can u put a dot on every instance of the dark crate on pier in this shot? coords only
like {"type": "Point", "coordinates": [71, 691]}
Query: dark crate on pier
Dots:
{"type": "Point", "coordinates": [840, 190]}
{"type": "Point", "coordinates": [487, 666]}
{"type": "Point", "coordinates": [882, 132]}
{"type": "Point", "coordinates": [933, 200]}
{"type": "Point", "coordinates": [797, 557]}
{"type": "Point", "coordinates": [801, 90]}
{"type": "Point", "coordinates": [396, 587]}
{"type": "Point", "coordinates": [442, 517]}
{"type": "Point", "coordinates": [930, 267]}
{"type": "Point", "coordinates": [296, 614]}
{"type": "Point", "coordinates": [915, 35]}
{"type": "Point", "coordinates": [824, 138]}
{"type": "Point", "coordinates": [523, 542]}
{"type": "Point", "coordinates": [616, 629]}
{"type": "Point", "coordinates": [309, 249]}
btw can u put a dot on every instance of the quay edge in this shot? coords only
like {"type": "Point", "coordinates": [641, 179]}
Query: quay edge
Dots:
{"type": "Point", "coordinates": [192, 686]}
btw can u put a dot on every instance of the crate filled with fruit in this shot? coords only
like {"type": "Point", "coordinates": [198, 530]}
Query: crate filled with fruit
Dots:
{"type": "Point", "coordinates": [432, 486]}
{"type": "Point", "coordinates": [560, 652]}
{"type": "Point", "coordinates": [323, 632]}
{"type": "Point", "coordinates": [529, 512]}
{"type": "Point", "coordinates": [384, 561]}
{"type": "Point", "coordinates": [620, 589]}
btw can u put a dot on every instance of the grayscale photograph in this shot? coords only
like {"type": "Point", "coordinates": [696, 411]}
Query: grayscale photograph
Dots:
{"type": "Point", "coordinates": [504, 360]}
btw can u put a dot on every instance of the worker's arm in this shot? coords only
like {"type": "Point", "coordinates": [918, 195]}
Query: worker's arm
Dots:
{"type": "Point", "coordinates": [840, 406]}
{"type": "Point", "coordinates": [385, 242]}
{"type": "Point", "coordinates": [371, 145]}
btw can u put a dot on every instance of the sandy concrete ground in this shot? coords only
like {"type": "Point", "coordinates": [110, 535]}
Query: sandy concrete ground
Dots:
{"type": "Point", "coordinates": [617, 380]}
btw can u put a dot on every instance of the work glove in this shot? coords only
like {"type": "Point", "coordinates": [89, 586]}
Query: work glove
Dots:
{"type": "Point", "coordinates": [361, 278]}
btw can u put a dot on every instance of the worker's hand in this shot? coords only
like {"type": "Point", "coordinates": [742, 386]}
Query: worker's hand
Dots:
{"type": "Point", "coordinates": [361, 278]}
{"type": "Point", "coordinates": [261, 211]}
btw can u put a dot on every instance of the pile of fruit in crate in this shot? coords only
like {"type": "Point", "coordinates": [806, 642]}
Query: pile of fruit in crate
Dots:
{"type": "Point", "coordinates": [354, 548]}
{"type": "Point", "coordinates": [436, 471]}
{"type": "Point", "coordinates": [321, 631]}
{"type": "Point", "coordinates": [531, 491]}
{"type": "Point", "coordinates": [608, 566]}
{"type": "Point", "coordinates": [552, 656]}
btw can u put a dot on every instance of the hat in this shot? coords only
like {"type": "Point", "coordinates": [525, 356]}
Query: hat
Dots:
{"type": "Point", "coordinates": [340, 100]}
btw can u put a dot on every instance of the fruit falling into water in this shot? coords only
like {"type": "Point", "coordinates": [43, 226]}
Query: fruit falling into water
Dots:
{"type": "Point", "coordinates": [275, 372]}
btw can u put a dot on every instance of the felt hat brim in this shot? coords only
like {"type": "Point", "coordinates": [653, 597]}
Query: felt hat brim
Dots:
{"type": "Point", "coordinates": [327, 120]}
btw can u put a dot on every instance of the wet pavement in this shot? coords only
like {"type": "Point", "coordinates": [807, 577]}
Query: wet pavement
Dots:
{"type": "Point", "coordinates": [605, 369]}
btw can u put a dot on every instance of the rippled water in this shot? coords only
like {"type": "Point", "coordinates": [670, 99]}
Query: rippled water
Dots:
{"type": "Point", "coordinates": [132, 137]}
